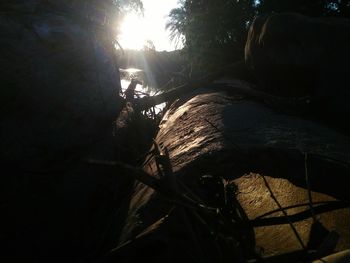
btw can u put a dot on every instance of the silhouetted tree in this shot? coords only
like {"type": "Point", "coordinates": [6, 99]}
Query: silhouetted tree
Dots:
{"type": "Point", "coordinates": [213, 31]}
{"type": "Point", "coordinates": [307, 7]}
{"type": "Point", "coordinates": [176, 24]}
{"type": "Point", "coordinates": [149, 46]}
{"type": "Point", "coordinates": [111, 11]}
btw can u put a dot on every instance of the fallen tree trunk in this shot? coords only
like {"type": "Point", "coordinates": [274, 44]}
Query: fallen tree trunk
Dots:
{"type": "Point", "coordinates": [237, 69]}
{"type": "Point", "coordinates": [288, 105]}
{"type": "Point", "coordinates": [211, 134]}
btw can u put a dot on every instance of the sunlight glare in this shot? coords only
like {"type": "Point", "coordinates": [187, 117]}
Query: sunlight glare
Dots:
{"type": "Point", "coordinates": [137, 29]}
{"type": "Point", "coordinates": [130, 70]}
{"type": "Point", "coordinates": [133, 32]}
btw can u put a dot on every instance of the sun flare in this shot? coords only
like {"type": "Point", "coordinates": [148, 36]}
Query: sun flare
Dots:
{"type": "Point", "coordinates": [136, 29]}
{"type": "Point", "coordinates": [133, 32]}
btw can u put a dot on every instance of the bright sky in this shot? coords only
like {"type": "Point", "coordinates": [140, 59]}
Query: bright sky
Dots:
{"type": "Point", "coordinates": [137, 29]}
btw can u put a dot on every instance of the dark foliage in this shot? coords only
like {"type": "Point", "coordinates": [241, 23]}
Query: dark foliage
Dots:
{"type": "Point", "coordinates": [213, 32]}
{"type": "Point", "coordinates": [307, 7]}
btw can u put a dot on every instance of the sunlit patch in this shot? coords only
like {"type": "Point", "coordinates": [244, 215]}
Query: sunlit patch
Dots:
{"type": "Point", "coordinates": [136, 29]}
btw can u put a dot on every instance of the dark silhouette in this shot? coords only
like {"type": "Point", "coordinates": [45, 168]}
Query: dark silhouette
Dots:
{"type": "Point", "coordinates": [315, 8]}
{"type": "Point", "coordinates": [130, 91]}
{"type": "Point", "coordinates": [213, 32]}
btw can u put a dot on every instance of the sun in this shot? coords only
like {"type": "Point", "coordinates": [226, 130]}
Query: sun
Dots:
{"type": "Point", "coordinates": [136, 29]}
{"type": "Point", "coordinates": [133, 32]}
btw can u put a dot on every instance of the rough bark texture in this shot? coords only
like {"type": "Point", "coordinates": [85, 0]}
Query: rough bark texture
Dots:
{"type": "Point", "coordinates": [226, 135]}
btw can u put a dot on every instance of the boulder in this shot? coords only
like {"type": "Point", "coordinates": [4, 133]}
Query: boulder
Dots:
{"type": "Point", "coordinates": [59, 79]}
{"type": "Point", "coordinates": [59, 96]}
{"type": "Point", "coordinates": [294, 55]}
